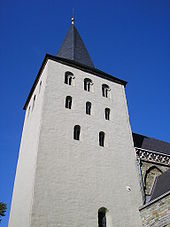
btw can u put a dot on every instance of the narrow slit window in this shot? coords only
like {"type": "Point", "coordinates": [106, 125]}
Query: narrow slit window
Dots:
{"type": "Point", "coordinates": [33, 102]}
{"type": "Point", "coordinates": [77, 132]}
{"type": "Point", "coordinates": [29, 111]}
{"type": "Point", "coordinates": [40, 86]}
{"type": "Point", "coordinates": [107, 114]}
{"type": "Point", "coordinates": [101, 138]}
{"type": "Point", "coordinates": [105, 90]}
{"type": "Point", "coordinates": [68, 102]}
{"type": "Point", "coordinates": [88, 108]}
{"type": "Point", "coordinates": [68, 78]}
{"type": "Point", "coordinates": [102, 217]}
{"type": "Point", "coordinates": [87, 84]}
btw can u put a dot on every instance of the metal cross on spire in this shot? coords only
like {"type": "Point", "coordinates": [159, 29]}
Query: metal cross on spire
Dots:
{"type": "Point", "coordinates": [73, 47]}
{"type": "Point", "coordinates": [72, 19]}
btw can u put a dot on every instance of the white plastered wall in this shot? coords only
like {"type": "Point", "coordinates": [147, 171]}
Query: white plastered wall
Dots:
{"type": "Point", "coordinates": [75, 178]}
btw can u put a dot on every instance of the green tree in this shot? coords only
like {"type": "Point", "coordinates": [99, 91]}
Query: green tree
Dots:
{"type": "Point", "coordinates": [2, 210]}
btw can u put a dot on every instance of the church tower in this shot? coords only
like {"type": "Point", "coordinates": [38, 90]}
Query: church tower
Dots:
{"type": "Point", "coordinates": [77, 165]}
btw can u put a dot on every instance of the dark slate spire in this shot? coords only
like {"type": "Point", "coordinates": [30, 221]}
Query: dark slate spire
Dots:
{"type": "Point", "coordinates": [73, 47]}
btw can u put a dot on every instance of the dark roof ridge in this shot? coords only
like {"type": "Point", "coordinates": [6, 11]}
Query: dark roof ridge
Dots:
{"type": "Point", "coordinates": [73, 64]}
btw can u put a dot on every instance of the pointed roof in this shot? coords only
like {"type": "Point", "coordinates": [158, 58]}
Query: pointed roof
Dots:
{"type": "Point", "coordinates": [152, 144]}
{"type": "Point", "coordinates": [73, 47]}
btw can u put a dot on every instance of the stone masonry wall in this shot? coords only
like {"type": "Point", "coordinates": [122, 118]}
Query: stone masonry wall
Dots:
{"type": "Point", "coordinates": [157, 213]}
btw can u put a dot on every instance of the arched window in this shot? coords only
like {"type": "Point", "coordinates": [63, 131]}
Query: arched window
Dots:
{"type": "Point", "coordinates": [107, 114]}
{"type": "Point", "coordinates": [77, 132]}
{"type": "Point", "coordinates": [68, 78]}
{"type": "Point", "coordinates": [101, 138]}
{"type": "Point", "coordinates": [68, 102]}
{"type": "Point", "coordinates": [88, 108]}
{"type": "Point", "coordinates": [87, 84]}
{"type": "Point", "coordinates": [102, 217]}
{"type": "Point", "coordinates": [105, 90]}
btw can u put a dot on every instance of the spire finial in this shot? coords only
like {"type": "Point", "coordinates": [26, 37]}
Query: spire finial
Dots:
{"type": "Point", "coordinates": [72, 19]}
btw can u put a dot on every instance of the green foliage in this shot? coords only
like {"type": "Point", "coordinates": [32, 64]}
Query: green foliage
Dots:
{"type": "Point", "coordinates": [2, 210]}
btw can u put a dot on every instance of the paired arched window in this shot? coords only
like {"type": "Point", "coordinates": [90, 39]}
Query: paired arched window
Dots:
{"type": "Point", "coordinates": [102, 217]}
{"type": "Point", "coordinates": [101, 138]}
{"type": "Point", "coordinates": [87, 84]}
{"type": "Point", "coordinates": [68, 102]}
{"type": "Point", "coordinates": [76, 135]}
{"type": "Point", "coordinates": [88, 108]}
{"type": "Point", "coordinates": [105, 90]}
{"type": "Point", "coordinates": [68, 78]}
{"type": "Point", "coordinates": [107, 113]}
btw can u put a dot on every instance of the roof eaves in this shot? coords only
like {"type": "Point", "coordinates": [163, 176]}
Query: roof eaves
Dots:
{"type": "Point", "coordinates": [154, 200]}
{"type": "Point", "coordinates": [151, 144]}
{"type": "Point", "coordinates": [36, 81]}
{"type": "Point", "coordinates": [87, 69]}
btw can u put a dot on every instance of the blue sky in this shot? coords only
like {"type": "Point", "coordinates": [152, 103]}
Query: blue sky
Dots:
{"type": "Point", "coordinates": [128, 39]}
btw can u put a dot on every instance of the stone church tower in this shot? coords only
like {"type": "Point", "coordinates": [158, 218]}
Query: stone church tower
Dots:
{"type": "Point", "coordinates": [77, 165]}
